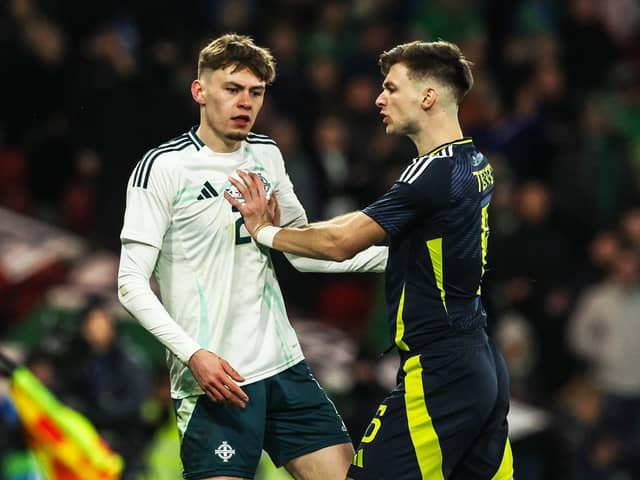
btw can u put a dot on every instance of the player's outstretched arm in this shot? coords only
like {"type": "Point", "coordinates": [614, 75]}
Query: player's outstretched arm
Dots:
{"type": "Point", "coordinates": [214, 375]}
{"type": "Point", "coordinates": [372, 260]}
{"type": "Point", "coordinates": [336, 240]}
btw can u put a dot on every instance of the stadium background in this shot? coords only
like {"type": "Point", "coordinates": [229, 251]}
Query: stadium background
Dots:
{"type": "Point", "coordinates": [87, 87]}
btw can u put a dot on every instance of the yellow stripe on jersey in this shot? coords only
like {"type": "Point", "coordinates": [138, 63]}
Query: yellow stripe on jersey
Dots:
{"type": "Point", "coordinates": [435, 252]}
{"type": "Point", "coordinates": [505, 471]}
{"type": "Point", "coordinates": [400, 324]}
{"type": "Point", "coordinates": [423, 435]}
{"type": "Point", "coordinates": [484, 240]}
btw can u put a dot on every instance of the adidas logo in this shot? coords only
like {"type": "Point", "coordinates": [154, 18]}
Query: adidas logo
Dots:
{"type": "Point", "coordinates": [207, 191]}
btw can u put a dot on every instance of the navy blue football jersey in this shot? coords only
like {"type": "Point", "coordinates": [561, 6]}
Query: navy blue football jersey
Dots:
{"type": "Point", "coordinates": [436, 218]}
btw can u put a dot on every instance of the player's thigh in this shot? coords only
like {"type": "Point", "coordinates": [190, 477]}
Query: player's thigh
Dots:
{"type": "Point", "coordinates": [490, 457]}
{"type": "Point", "coordinates": [329, 463]}
{"type": "Point", "coordinates": [424, 427]}
{"type": "Point", "coordinates": [301, 420]}
{"type": "Point", "coordinates": [386, 450]}
{"type": "Point", "coordinates": [221, 441]}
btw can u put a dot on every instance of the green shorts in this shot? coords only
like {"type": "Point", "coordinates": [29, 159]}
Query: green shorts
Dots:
{"type": "Point", "coordinates": [288, 415]}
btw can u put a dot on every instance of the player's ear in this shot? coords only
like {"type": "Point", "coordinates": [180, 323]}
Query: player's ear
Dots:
{"type": "Point", "coordinates": [429, 97]}
{"type": "Point", "coordinates": [197, 91]}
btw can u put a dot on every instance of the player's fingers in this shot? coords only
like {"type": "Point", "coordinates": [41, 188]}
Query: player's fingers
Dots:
{"type": "Point", "coordinates": [248, 181]}
{"type": "Point", "coordinates": [214, 395]}
{"type": "Point", "coordinates": [257, 185]}
{"type": "Point", "coordinates": [272, 203]}
{"type": "Point", "coordinates": [232, 372]}
{"type": "Point", "coordinates": [274, 210]}
{"type": "Point", "coordinates": [233, 201]}
{"type": "Point", "coordinates": [232, 394]}
{"type": "Point", "coordinates": [247, 178]}
{"type": "Point", "coordinates": [236, 391]}
{"type": "Point", "coordinates": [242, 188]}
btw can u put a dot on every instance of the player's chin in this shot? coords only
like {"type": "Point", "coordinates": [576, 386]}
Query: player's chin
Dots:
{"type": "Point", "coordinates": [237, 135]}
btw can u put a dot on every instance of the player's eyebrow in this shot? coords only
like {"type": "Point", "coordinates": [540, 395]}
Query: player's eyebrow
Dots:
{"type": "Point", "coordinates": [388, 84]}
{"type": "Point", "coordinates": [256, 88]}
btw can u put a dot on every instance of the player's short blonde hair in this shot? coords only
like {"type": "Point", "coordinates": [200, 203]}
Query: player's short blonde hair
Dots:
{"type": "Point", "coordinates": [239, 51]}
{"type": "Point", "coordinates": [441, 60]}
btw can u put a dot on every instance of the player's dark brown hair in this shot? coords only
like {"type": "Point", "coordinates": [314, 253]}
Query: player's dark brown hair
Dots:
{"type": "Point", "coordinates": [441, 60]}
{"type": "Point", "coordinates": [239, 51]}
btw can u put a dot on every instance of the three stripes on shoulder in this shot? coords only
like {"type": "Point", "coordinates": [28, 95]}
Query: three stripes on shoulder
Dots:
{"type": "Point", "coordinates": [143, 169]}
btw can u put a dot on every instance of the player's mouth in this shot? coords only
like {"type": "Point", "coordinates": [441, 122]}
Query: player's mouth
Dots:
{"type": "Point", "coordinates": [385, 118]}
{"type": "Point", "coordinates": [241, 120]}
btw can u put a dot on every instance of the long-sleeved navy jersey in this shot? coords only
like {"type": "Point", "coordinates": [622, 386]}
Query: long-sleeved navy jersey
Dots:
{"type": "Point", "coordinates": [436, 217]}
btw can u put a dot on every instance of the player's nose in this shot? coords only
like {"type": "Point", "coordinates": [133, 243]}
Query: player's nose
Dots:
{"type": "Point", "coordinates": [244, 101]}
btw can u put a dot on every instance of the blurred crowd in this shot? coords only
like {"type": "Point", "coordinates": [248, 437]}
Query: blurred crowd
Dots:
{"type": "Point", "coordinates": [88, 87]}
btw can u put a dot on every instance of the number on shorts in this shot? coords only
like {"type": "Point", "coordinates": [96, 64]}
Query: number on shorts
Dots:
{"type": "Point", "coordinates": [373, 428]}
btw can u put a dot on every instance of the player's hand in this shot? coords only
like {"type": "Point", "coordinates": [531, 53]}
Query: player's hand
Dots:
{"type": "Point", "coordinates": [255, 209]}
{"type": "Point", "coordinates": [217, 378]}
{"type": "Point", "coordinates": [274, 209]}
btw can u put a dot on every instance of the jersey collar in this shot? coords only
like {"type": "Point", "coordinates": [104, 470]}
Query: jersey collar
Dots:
{"type": "Point", "coordinates": [195, 139]}
{"type": "Point", "coordinates": [461, 141]}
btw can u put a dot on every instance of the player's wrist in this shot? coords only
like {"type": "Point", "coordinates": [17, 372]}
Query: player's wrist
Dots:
{"type": "Point", "coordinates": [265, 234]}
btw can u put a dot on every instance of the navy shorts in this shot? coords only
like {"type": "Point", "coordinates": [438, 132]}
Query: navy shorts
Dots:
{"type": "Point", "coordinates": [288, 415]}
{"type": "Point", "coordinates": [446, 419]}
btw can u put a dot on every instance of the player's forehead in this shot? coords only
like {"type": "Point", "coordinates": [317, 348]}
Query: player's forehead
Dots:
{"type": "Point", "coordinates": [397, 75]}
{"type": "Point", "coordinates": [238, 75]}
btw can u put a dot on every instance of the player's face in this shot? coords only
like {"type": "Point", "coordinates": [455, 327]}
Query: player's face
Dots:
{"type": "Point", "coordinates": [399, 102]}
{"type": "Point", "coordinates": [232, 101]}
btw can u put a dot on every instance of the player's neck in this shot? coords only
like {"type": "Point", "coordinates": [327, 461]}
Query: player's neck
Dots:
{"type": "Point", "coordinates": [215, 142]}
{"type": "Point", "coordinates": [437, 131]}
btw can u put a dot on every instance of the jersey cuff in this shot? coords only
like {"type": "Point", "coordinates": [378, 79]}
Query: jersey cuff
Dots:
{"type": "Point", "coordinates": [372, 216]}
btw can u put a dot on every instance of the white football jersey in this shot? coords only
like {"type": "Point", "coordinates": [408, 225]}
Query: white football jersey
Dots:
{"type": "Point", "coordinates": [215, 281]}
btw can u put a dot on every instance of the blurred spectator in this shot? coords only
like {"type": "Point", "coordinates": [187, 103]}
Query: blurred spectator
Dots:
{"type": "Point", "coordinates": [630, 229]}
{"type": "Point", "coordinates": [603, 252]}
{"type": "Point", "coordinates": [106, 380]}
{"type": "Point", "coordinates": [518, 344]}
{"type": "Point", "coordinates": [454, 20]}
{"type": "Point", "coordinates": [79, 210]}
{"type": "Point", "coordinates": [362, 399]}
{"type": "Point", "coordinates": [162, 455]}
{"type": "Point", "coordinates": [287, 91]}
{"type": "Point", "coordinates": [533, 266]}
{"type": "Point", "coordinates": [320, 89]}
{"type": "Point", "coordinates": [303, 171]}
{"type": "Point", "coordinates": [582, 31]}
{"type": "Point", "coordinates": [605, 331]}
{"type": "Point", "coordinates": [331, 142]}
{"type": "Point", "coordinates": [13, 186]}
{"type": "Point", "coordinates": [329, 37]}
{"type": "Point", "coordinates": [578, 414]}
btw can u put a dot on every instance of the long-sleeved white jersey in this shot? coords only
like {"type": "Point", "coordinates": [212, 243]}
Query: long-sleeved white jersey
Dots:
{"type": "Point", "coordinates": [218, 287]}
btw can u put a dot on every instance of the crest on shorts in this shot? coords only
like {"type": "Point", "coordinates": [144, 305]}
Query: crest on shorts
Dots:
{"type": "Point", "coordinates": [225, 451]}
